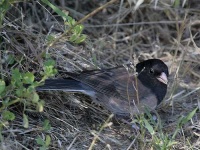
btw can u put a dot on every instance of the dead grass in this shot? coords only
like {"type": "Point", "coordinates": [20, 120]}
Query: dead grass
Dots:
{"type": "Point", "coordinates": [120, 33]}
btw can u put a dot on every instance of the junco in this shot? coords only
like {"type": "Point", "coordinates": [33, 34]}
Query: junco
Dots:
{"type": "Point", "coordinates": [121, 91]}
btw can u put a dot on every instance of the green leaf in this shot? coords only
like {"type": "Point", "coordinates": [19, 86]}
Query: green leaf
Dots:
{"type": "Point", "coordinates": [71, 22]}
{"type": "Point", "coordinates": [35, 84]}
{"type": "Point", "coordinates": [40, 106]}
{"type": "Point", "coordinates": [78, 29]}
{"type": "Point", "coordinates": [50, 62]}
{"type": "Point", "coordinates": [28, 78]}
{"type": "Point", "coordinates": [2, 86]}
{"type": "Point", "coordinates": [35, 97]}
{"type": "Point", "coordinates": [16, 75]}
{"type": "Point", "coordinates": [25, 121]}
{"type": "Point", "coordinates": [56, 9]}
{"type": "Point", "coordinates": [171, 143]}
{"type": "Point", "coordinates": [31, 88]}
{"type": "Point", "coordinates": [48, 140]}
{"type": "Point", "coordinates": [5, 102]}
{"type": "Point", "coordinates": [54, 72]}
{"type": "Point", "coordinates": [20, 92]}
{"type": "Point", "coordinates": [49, 69]}
{"type": "Point", "coordinates": [184, 120]}
{"type": "Point", "coordinates": [46, 125]}
{"type": "Point", "coordinates": [149, 127]}
{"type": "Point", "coordinates": [39, 141]}
{"type": "Point", "coordinates": [7, 115]}
{"type": "Point", "coordinates": [43, 148]}
{"type": "Point", "coordinates": [80, 39]}
{"type": "Point", "coordinates": [73, 38]}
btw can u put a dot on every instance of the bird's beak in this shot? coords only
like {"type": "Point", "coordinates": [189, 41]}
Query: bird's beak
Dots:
{"type": "Point", "coordinates": [163, 78]}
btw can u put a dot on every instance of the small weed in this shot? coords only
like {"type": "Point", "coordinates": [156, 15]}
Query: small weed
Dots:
{"type": "Point", "coordinates": [73, 30]}
{"type": "Point", "coordinates": [161, 140]}
{"type": "Point", "coordinates": [43, 143]}
{"type": "Point", "coordinates": [22, 90]}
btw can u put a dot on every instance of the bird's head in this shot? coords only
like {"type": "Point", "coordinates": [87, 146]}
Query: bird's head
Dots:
{"type": "Point", "coordinates": [153, 69]}
{"type": "Point", "coordinates": [153, 73]}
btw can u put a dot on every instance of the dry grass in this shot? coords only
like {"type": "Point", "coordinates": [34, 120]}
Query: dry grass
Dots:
{"type": "Point", "coordinates": [120, 33]}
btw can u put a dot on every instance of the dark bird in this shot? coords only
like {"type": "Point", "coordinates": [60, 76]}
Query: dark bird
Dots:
{"type": "Point", "coordinates": [121, 91]}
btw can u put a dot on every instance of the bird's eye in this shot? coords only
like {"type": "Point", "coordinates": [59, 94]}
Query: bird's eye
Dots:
{"type": "Point", "coordinates": [151, 70]}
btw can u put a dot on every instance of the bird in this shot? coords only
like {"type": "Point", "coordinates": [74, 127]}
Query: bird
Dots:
{"type": "Point", "coordinates": [121, 90]}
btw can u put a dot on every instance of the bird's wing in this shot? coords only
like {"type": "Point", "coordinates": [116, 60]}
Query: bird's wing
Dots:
{"type": "Point", "coordinates": [102, 81]}
{"type": "Point", "coordinates": [119, 90]}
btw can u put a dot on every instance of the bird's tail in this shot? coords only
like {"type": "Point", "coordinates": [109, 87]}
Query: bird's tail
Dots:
{"type": "Point", "coordinates": [68, 85]}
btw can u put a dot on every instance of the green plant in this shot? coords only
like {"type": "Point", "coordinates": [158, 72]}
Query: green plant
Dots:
{"type": "Point", "coordinates": [43, 143]}
{"type": "Point", "coordinates": [160, 140]}
{"type": "Point", "coordinates": [183, 120]}
{"type": "Point", "coordinates": [73, 30]}
{"type": "Point", "coordinates": [21, 89]}
{"type": "Point", "coordinates": [46, 125]}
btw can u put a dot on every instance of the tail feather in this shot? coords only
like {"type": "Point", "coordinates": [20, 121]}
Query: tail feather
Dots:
{"type": "Point", "coordinates": [68, 85]}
